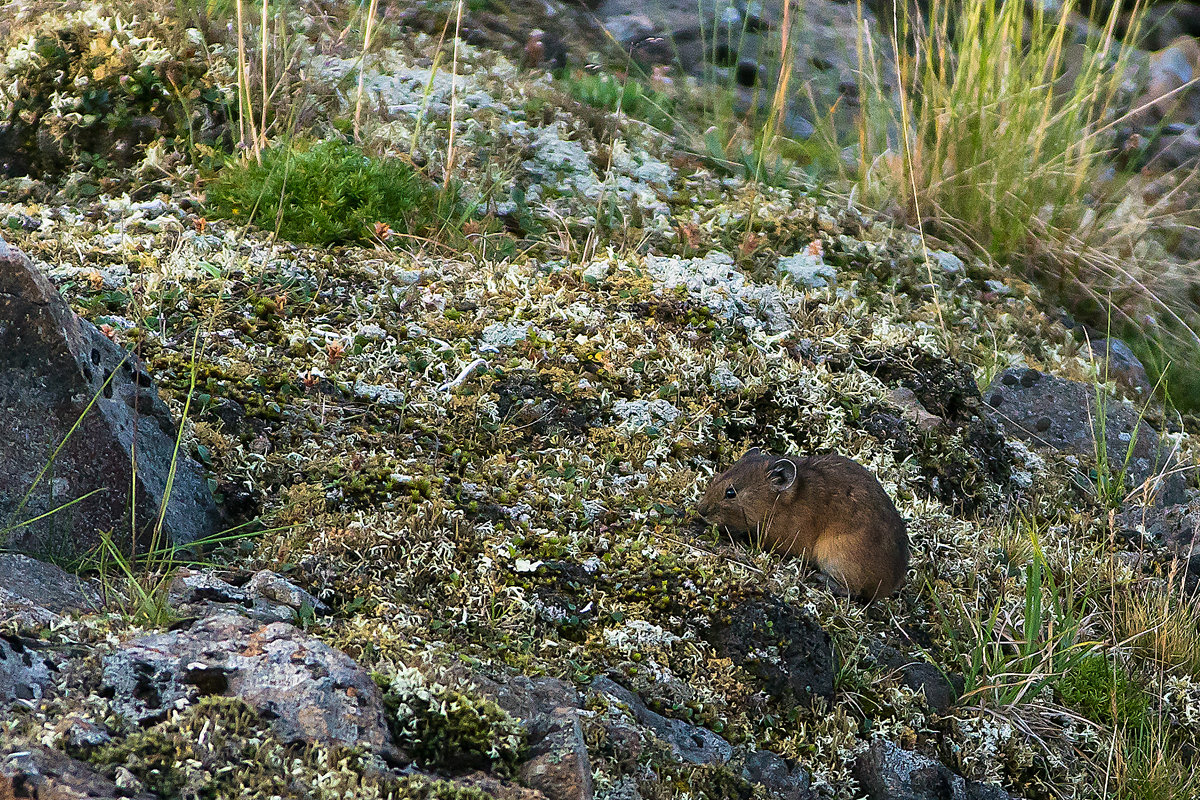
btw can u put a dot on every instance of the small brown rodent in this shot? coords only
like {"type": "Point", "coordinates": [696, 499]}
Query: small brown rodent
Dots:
{"type": "Point", "coordinates": [827, 509]}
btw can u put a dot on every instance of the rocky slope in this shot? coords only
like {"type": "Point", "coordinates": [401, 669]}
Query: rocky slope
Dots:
{"type": "Point", "coordinates": [469, 473]}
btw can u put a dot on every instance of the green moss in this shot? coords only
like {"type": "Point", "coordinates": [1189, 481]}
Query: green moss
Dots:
{"type": "Point", "coordinates": [236, 752]}
{"type": "Point", "coordinates": [1103, 692]}
{"type": "Point", "coordinates": [332, 193]}
{"type": "Point", "coordinates": [450, 730]}
{"type": "Point", "coordinates": [221, 748]}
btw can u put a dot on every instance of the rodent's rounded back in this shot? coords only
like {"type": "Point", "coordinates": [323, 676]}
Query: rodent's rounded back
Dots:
{"type": "Point", "coordinates": [827, 508]}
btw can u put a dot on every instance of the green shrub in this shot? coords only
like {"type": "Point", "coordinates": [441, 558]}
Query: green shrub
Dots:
{"type": "Point", "coordinates": [1102, 692]}
{"type": "Point", "coordinates": [332, 193]}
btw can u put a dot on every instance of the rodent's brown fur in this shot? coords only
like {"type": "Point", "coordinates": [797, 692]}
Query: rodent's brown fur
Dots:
{"type": "Point", "coordinates": [827, 509]}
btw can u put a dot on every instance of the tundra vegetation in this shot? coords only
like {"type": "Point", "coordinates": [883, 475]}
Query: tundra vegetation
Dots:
{"type": "Point", "coordinates": [462, 332]}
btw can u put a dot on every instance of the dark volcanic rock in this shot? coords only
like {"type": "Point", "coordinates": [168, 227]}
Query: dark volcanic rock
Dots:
{"type": "Point", "coordinates": [885, 772]}
{"type": "Point", "coordinates": [773, 773]}
{"type": "Point", "coordinates": [776, 642]}
{"type": "Point", "coordinates": [938, 395]}
{"type": "Point", "coordinates": [309, 691]}
{"type": "Point", "coordinates": [52, 365]}
{"type": "Point", "coordinates": [39, 773]}
{"type": "Point", "coordinates": [1062, 415]}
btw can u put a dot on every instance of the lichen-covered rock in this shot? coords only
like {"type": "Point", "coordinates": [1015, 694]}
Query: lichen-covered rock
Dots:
{"type": "Point", "coordinates": [780, 645]}
{"type": "Point", "coordinates": [24, 672]}
{"type": "Point", "coordinates": [57, 370]}
{"type": "Point", "coordinates": [1060, 414]}
{"type": "Point", "coordinates": [558, 764]}
{"type": "Point", "coordinates": [310, 691]}
{"type": "Point", "coordinates": [774, 774]}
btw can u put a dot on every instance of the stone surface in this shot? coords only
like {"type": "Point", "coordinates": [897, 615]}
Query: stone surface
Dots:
{"type": "Point", "coordinates": [309, 691]}
{"type": "Point", "coordinates": [1059, 414]}
{"type": "Point", "coordinates": [808, 270]}
{"type": "Point", "coordinates": [940, 690]}
{"type": "Point", "coordinates": [266, 596]}
{"type": "Point", "coordinates": [557, 763]}
{"type": "Point", "coordinates": [1113, 358]}
{"type": "Point", "coordinates": [24, 673]}
{"type": "Point", "coordinates": [52, 364]}
{"type": "Point", "coordinates": [780, 645]}
{"type": "Point", "coordinates": [691, 743]}
{"type": "Point", "coordinates": [39, 773]}
{"type": "Point", "coordinates": [885, 772]}
{"type": "Point", "coordinates": [772, 772]}
{"type": "Point", "coordinates": [34, 594]}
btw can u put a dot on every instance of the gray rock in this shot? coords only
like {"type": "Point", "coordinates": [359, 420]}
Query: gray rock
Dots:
{"type": "Point", "coordinates": [940, 690]}
{"type": "Point", "coordinates": [557, 762]}
{"type": "Point", "coordinates": [39, 772]}
{"type": "Point", "coordinates": [1114, 359]}
{"type": "Point", "coordinates": [885, 772]}
{"type": "Point", "coordinates": [267, 596]}
{"type": "Point", "coordinates": [691, 743]}
{"type": "Point", "coordinates": [773, 773]}
{"type": "Point", "coordinates": [52, 364]}
{"type": "Point", "coordinates": [24, 673]}
{"type": "Point", "coordinates": [310, 691]}
{"type": "Point", "coordinates": [34, 594]}
{"type": "Point", "coordinates": [1058, 414]}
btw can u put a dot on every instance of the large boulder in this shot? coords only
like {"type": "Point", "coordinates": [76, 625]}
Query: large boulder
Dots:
{"type": "Point", "coordinates": [76, 409]}
{"type": "Point", "coordinates": [1058, 414]}
{"type": "Point", "coordinates": [310, 691]}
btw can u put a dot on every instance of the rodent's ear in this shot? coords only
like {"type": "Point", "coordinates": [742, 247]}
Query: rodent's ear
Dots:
{"type": "Point", "coordinates": [782, 475]}
{"type": "Point", "coordinates": [753, 451]}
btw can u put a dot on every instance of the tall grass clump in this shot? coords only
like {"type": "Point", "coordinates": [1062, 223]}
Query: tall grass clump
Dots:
{"type": "Point", "coordinates": [1005, 123]}
{"type": "Point", "coordinates": [333, 193]}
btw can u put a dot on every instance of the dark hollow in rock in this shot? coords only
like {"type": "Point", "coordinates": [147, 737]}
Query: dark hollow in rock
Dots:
{"type": "Point", "coordinates": [780, 645]}
{"type": "Point", "coordinates": [1058, 414]}
{"type": "Point", "coordinates": [52, 365]}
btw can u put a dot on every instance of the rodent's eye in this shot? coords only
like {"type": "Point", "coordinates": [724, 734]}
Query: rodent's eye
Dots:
{"type": "Point", "coordinates": [730, 493]}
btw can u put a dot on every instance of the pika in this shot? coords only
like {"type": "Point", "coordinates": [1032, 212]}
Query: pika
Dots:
{"type": "Point", "coordinates": [826, 509]}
